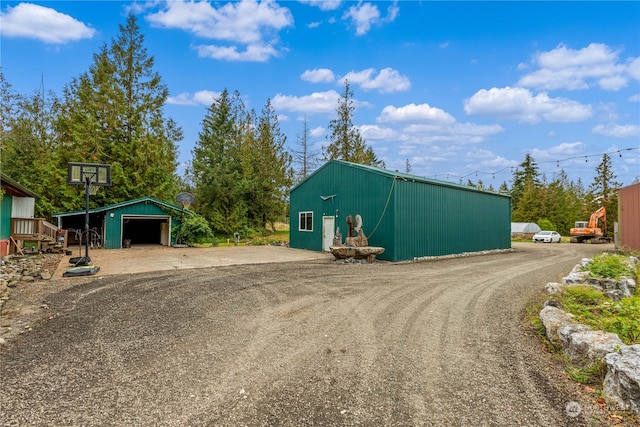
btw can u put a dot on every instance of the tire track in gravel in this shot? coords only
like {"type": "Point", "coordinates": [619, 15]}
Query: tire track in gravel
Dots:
{"type": "Point", "coordinates": [429, 343]}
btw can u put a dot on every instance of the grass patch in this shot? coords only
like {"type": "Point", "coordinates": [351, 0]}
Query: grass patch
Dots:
{"type": "Point", "coordinates": [591, 307]}
{"type": "Point", "coordinates": [591, 374]}
{"type": "Point", "coordinates": [612, 266]}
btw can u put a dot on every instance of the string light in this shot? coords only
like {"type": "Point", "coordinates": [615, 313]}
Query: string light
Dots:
{"type": "Point", "coordinates": [557, 162]}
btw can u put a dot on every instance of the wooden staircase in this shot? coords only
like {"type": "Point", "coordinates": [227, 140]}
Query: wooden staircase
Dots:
{"type": "Point", "coordinates": [36, 230]}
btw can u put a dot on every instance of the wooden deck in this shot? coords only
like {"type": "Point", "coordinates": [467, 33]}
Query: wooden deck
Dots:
{"type": "Point", "coordinates": [36, 230]}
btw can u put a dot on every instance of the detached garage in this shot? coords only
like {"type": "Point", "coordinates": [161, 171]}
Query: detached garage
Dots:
{"type": "Point", "coordinates": [409, 216]}
{"type": "Point", "coordinates": [140, 221]}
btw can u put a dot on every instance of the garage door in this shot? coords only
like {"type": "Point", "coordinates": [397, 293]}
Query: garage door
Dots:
{"type": "Point", "coordinates": [145, 230]}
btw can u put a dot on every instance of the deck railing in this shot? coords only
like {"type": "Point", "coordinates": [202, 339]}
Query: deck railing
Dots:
{"type": "Point", "coordinates": [33, 229]}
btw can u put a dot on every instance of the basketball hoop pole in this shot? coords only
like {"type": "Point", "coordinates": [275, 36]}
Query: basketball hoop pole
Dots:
{"type": "Point", "coordinates": [89, 175]}
{"type": "Point", "coordinates": [87, 184]}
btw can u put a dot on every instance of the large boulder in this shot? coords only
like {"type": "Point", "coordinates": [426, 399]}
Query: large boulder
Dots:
{"type": "Point", "coordinates": [553, 318]}
{"type": "Point", "coordinates": [622, 382]}
{"type": "Point", "coordinates": [342, 252]}
{"type": "Point", "coordinates": [553, 288]}
{"type": "Point", "coordinates": [581, 343]}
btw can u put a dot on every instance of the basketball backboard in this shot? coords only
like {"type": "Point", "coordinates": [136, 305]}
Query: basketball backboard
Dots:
{"type": "Point", "coordinates": [97, 174]}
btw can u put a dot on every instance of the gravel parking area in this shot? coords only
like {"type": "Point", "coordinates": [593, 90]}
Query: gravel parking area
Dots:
{"type": "Point", "coordinates": [308, 342]}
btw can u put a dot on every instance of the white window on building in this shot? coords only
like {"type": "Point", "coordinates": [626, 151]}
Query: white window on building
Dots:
{"type": "Point", "coordinates": [306, 221]}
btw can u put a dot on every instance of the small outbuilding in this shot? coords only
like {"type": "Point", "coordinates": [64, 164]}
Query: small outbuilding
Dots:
{"type": "Point", "coordinates": [524, 230]}
{"type": "Point", "coordinates": [139, 221]}
{"type": "Point", "coordinates": [16, 201]}
{"type": "Point", "coordinates": [629, 217]}
{"type": "Point", "coordinates": [409, 216]}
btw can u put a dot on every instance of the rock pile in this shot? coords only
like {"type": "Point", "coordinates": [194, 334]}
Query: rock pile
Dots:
{"type": "Point", "coordinates": [580, 342]}
{"type": "Point", "coordinates": [24, 268]}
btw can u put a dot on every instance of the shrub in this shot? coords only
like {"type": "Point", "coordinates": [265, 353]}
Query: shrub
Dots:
{"type": "Point", "coordinates": [545, 224]}
{"type": "Point", "coordinates": [194, 230]}
{"type": "Point", "coordinates": [592, 308]}
{"type": "Point", "coordinates": [610, 266]}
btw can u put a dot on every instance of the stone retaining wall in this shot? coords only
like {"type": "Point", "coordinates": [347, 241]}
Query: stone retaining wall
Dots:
{"type": "Point", "coordinates": [15, 269]}
{"type": "Point", "coordinates": [580, 343]}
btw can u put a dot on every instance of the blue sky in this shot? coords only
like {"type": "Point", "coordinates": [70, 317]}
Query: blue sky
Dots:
{"type": "Point", "coordinates": [459, 89]}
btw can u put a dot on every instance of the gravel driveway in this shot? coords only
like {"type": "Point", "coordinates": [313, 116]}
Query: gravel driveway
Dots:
{"type": "Point", "coordinates": [432, 343]}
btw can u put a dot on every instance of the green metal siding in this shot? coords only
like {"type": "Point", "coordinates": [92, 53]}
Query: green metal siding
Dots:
{"type": "Point", "coordinates": [409, 216]}
{"type": "Point", "coordinates": [5, 216]}
{"type": "Point", "coordinates": [113, 225]}
{"type": "Point", "coordinates": [435, 220]}
{"type": "Point", "coordinates": [356, 193]}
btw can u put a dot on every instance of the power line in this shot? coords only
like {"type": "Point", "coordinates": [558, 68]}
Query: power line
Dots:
{"type": "Point", "coordinates": [557, 162]}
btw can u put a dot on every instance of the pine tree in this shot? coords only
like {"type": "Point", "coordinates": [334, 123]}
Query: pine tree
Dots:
{"type": "Point", "coordinates": [8, 106]}
{"type": "Point", "coordinates": [603, 190]}
{"type": "Point", "coordinates": [526, 172]}
{"type": "Point", "coordinates": [346, 141]}
{"type": "Point", "coordinates": [273, 169]}
{"type": "Point", "coordinates": [114, 114]}
{"type": "Point", "coordinates": [30, 153]}
{"type": "Point", "coordinates": [215, 167]}
{"type": "Point", "coordinates": [529, 207]}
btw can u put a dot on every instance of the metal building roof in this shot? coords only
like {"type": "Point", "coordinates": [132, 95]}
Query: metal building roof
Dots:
{"type": "Point", "coordinates": [122, 204]}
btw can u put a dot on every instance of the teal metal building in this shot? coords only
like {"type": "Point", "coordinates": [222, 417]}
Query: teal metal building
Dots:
{"type": "Point", "coordinates": [409, 216]}
{"type": "Point", "coordinates": [139, 221]}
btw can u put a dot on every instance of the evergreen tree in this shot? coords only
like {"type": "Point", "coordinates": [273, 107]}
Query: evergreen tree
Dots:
{"type": "Point", "coordinates": [504, 188]}
{"type": "Point", "coordinates": [30, 153]}
{"type": "Point", "coordinates": [114, 114]}
{"type": "Point", "coordinates": [407, 166]}
{"type": "Point", "coordinates": [526, 172]}
{"type": "Point", "coordinates": [273, 169]}
{"type": "Point", "coordinates": [529, 207]}
{"type": "Point", "coordinates": [603, 190]}
{"type": "Point", "coordinates": [346, 141]}
{"type": "Point", "coordinates": [215, 169]}
{"type": "Point", "coordinates": [562, 204]}
{"type": "Point", "coordinates": [8, 106]}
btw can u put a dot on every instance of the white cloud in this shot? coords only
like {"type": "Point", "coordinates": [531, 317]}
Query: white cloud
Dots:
{"type": "Point", "coordinates": [246, 22]}
{"type": "Point", "coordinates": [558, 151]}
{"type": "Point", "coordinates": [415, 113]}
{"type": "Point", "coordinates": [635, 98]}
{"type": "Point", "coordinates": [521, 105]}
{"type": "Point", "coordinates": [203, 97]}
{"type": "Point", "coordinates": [43, 23]}
{"type": "Point", "coordinates": [596, 64]}
{"type": "Point", "coordinates": [617, 131]}
{"type": "Point", "coordinates": [363, 16]}
{"type": "Point", "coordinates": [634, 68]}
{"type": "Point", "coordinates": [318, 75]}
{"type": "Point", "coordinates": [317, 132]}
{"type": "Point", "coordinates": [317, 102]}
{"type": "Point", "coordinates": [388, 80]}
{"type": "Point", "coordinates": [375, 132]}
{"type": "Point", "coordinates": [392, 12]}
{"type": "Point", "coordinates": [253, 53]}
{"type": "Point", "coordinates": [323, 4]}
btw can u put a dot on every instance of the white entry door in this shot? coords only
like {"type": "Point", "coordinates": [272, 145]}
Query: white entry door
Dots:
{"type": "Point", "coordinates": [328, 231]}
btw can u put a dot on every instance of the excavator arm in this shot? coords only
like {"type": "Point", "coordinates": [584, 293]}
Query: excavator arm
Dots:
{"type": "Point", "coordinates": [600, 213]}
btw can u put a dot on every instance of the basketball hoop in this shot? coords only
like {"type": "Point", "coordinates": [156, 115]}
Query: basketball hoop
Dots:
{"type": "Point", "coordinates": [90, 176]}
{"type": "Point", "coordinates": [93, 190]}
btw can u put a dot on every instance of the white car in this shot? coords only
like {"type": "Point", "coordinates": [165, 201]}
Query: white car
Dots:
{"type": "Point", "coordinates": [547, 237]}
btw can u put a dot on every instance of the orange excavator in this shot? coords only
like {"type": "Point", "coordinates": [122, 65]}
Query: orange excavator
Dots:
{"type": "Point", "coordinates": [590, 232]}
